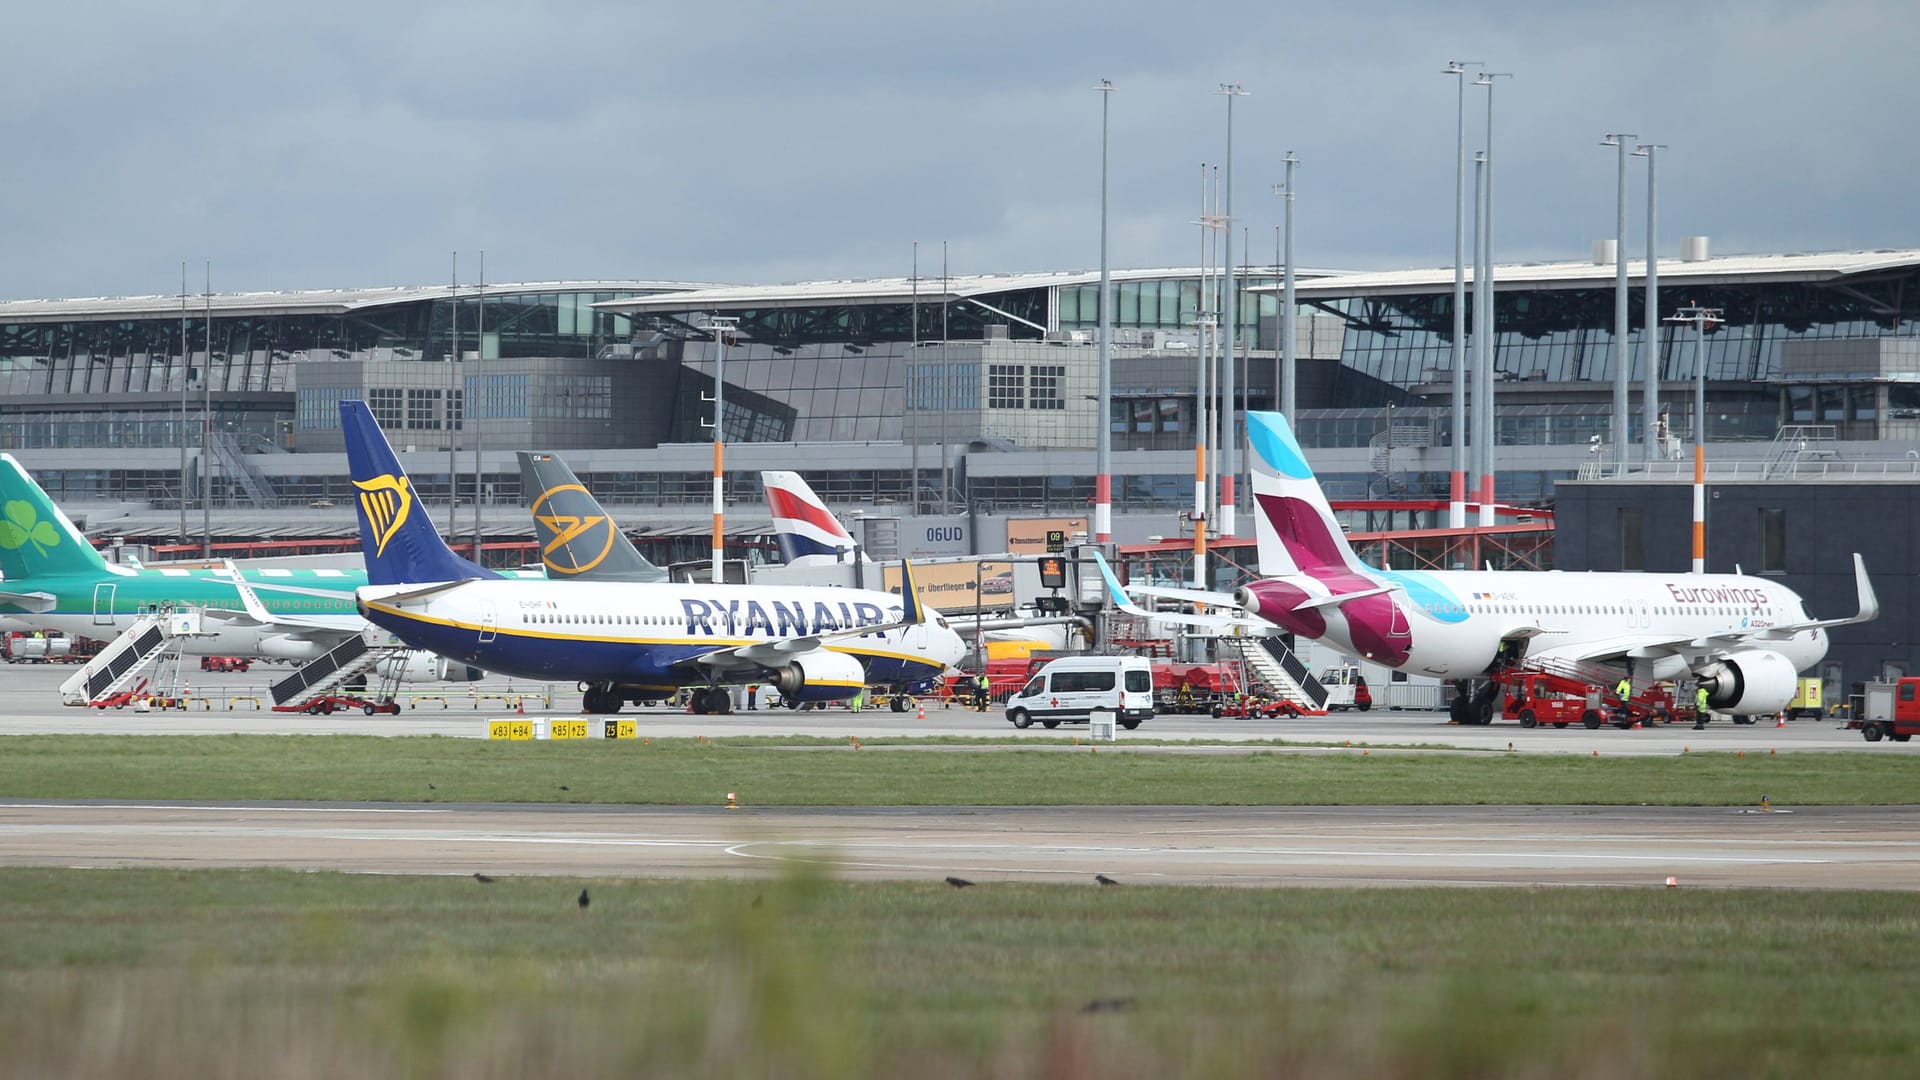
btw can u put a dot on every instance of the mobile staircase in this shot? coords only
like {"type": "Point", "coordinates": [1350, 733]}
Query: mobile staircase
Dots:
{"type": "Point", "coordinates": [1268, 660]}
{"type": "Point", "coordinates": [351, 659]}
{"type": "Point", "coordinates": [154, 636]}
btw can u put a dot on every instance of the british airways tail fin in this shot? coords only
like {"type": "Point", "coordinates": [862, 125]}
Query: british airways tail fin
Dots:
{"type": "Point", "coordinates": [808, 532]}
{"type": "Point", "coordinates": [396, 537]}
{"type": "Point", "coordinates": [578, 538]}
{"type": "Point", "coordinates": [1292, 520]}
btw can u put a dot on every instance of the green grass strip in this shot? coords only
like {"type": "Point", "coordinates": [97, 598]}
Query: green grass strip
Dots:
{"type": "Point", "coordinates": [689, 772]}
{"type": "Point", "coordinates": [253, 973]}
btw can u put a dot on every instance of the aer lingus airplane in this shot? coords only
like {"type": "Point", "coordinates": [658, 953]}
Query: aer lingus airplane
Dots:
{"type": "Point", "coordinates": [51, 578]}
{"type": "Point", "coordinates": [627, 641]}
{"type": "Point", "coordinates": [1744, 638]}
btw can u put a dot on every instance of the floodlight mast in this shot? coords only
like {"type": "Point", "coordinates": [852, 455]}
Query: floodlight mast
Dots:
{"type": "Point", "coordinates": [1228, 432]}
{"type": "Point", "coordinates": [1457, 480]}
{"type": "Point", "coordinates": [1650, 386]}
{"type": "Point", "coordinates": [1485, 334]}
{"type": "Point", "coordinates": [1103, 420]}
{"type": "Point", "coordinates": [1700, 318]}
{"type": "Point", "coordinates": [1622, 348]}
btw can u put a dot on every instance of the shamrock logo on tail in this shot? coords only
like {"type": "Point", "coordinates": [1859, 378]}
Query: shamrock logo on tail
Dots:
{"type": "Point", "coordinates": [22, 526]}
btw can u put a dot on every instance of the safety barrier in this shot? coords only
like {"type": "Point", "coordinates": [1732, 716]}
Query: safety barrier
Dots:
{"type": "Point", "coordinates": [243, 697]}
{"type": "Point", "coordinates": [414, 700]}
{"type": "Point", "coordinates": [206, 703]}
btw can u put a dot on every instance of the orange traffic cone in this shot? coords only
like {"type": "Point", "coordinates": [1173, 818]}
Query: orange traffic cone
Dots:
{"type": "Point", "coordinates": [732, 804]}
{"type": "Point", "coordinates": [520, 706]}
{"type": "Point", "coordinates": [922, 715]}
{"type": "Point", "coordinates": [1673, 882]}
{"type": "Point", "coordinates": [1782, 722]}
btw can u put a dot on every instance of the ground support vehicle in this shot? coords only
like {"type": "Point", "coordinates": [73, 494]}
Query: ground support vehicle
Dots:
{"type": "Point", "coordinates": [1889, 710]}
{"type": "Point", "coordinates": [25, 648]}
{"type": "Point", "coordinates": [1069, 690]}
{"type": "Point", "coordinates": [1806, 704]}
{"type": "Point", "coordinates": [328, 704]}
{"type": "Point", "coordinates": [1195, 689]}
{"type": "Point", "coordinates": [1346, 689]}
{"type": "Point", "coordinates": [225, 663]}
{"type": "Point", "coordinates": [1265, 707]}
{"type": "Point", "coordinates": [1562, 698]}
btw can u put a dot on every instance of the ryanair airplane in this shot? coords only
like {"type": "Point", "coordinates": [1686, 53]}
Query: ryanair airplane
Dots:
{"type": "Point", "coordinates": [627, 641]}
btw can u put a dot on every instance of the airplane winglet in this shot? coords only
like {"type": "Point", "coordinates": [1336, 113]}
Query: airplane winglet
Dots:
{"type": "Point", "coordinates": [248, 598]}
{"type": "Point", "coordinates": [1869, 602]}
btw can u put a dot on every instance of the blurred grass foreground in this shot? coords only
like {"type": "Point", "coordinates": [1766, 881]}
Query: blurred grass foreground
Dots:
{"type": "Point", "coordinates": [162, 974]}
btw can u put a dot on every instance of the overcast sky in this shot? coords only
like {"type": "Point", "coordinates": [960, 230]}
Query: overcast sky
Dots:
{"type": "Point", "coordinates": [355, 144]}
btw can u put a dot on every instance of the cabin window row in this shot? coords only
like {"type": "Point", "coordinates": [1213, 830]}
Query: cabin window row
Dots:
{"type": "Point", "coordinates": [1588, 609]}
{"type": "Point", "coordinates": [546, 619]}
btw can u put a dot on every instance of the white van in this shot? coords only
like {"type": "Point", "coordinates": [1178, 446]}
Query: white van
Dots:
{"type": "Point", "coordinates": [1068, 689]}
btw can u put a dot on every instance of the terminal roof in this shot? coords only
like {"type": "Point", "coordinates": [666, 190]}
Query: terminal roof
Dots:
{"type": "Point", "coordinates": [1674, 272]}
{"type": "Point", "coordinates": [304, 302]}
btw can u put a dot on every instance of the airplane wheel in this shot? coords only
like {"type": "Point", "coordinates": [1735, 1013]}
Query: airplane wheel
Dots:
{"type": "Point", "coordinates": [794, 703]}
{"type": "Point", "coordinates": [899, 703]}
{"type": "Point", "coordinates": [719, 702]}
{"type": "Point", "coordinates": [1527, 719]}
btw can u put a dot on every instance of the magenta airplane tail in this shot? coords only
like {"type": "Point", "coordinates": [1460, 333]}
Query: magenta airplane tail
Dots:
{"type": "Point", "coordinates": [1293, 521]}
{"type": "Point", "coordinates": [806, 529]}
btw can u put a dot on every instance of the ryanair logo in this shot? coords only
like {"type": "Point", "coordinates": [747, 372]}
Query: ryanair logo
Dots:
{"type": "Point", "coordinates": [559, 532]}
{"type": "Point", "coordinates": [386, 501]}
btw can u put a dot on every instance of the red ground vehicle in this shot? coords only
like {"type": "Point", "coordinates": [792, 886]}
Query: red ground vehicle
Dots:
{"type": "Point", "coordinates": [1890, 710]}
{"type": "Point", "coordinates": [1282, 707]}
{"type": "Point", "coordinates": [327, 704]}
{"type": "Point", "coordinates": [225, 663]}
{"type": "Point", "coordinates": [1535, 697]}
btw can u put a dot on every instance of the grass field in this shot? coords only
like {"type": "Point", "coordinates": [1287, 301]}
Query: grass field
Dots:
{"type": "Point", "coordinates": [268, 973]}
{"type": "Point", "coordinates": [810, 773]}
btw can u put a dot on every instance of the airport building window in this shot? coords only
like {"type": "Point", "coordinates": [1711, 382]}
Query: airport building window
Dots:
{"type": "Point", "coordinates": [1633, 549]}
{"type": "Point", "coordinates": [1006, 386]}
{"type": "Point", "coordinates": [423, 410]}
{"type": "Point", "coordinates": [1773, 540]}
{"type": "Point", "coordinates": [1044, 387]}
{"type": "Point", "coordinates": [388, 406]}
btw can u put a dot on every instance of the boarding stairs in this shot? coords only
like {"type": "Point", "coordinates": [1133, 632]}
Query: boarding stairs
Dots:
{"type": "Point", "coordinates": [151, 636]}
{"type": "Point", "coordinates": [352, 658]}
{"type": "Point", "coordinates": [1268, 660]}
{"type": "Point", "coordinates": [241, 473]}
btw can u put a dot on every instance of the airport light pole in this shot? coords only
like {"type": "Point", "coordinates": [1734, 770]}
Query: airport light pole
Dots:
{"type": "Point", "coordinates": [1650, 386]}
{"type": "Point", "coordinates": [1700, 318]}
{"type": "Point", "coordinates": [722, 330]}
{"type": "Point", "coordinates": [1228, 436]}
{"type": "Point", "coordinates": [446, 413]}
{"type": "Point", "coordinates": [1457, 481]}
{"type": "Point", "coordinates": [206, 431]}
{"type": "Point", "coordinates": [186, 367]}
{"type": "Point", "coordinates": [1289, 369]}
{"type": "Point", "coordinates": [1103, 418]}
{"type": "Point", "coordinates": [1622, 348]}
{"type": "Point", "coordinates": [1484, 334]}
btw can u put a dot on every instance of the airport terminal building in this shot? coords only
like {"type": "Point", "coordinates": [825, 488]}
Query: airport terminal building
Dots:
{"type": "Point", "coordinates": [937, 414]}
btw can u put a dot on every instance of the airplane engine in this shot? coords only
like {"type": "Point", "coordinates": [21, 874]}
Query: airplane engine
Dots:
{"type": "Point", "coordinates": [422, 666]}
{"type": "Point", "coordinates": [820, 675]}
{"type": "Point", "coordinates": [1750, 682]}
{"type": "Point", "coordinates": [288, 647]}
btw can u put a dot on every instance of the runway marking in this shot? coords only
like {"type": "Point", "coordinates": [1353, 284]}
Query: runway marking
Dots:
{"type": "Point", "coordinates": [4, 807]}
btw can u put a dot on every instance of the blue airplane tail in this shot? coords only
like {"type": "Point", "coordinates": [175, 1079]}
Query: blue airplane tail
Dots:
{"type": "Point", "coordinates": [396, 536]}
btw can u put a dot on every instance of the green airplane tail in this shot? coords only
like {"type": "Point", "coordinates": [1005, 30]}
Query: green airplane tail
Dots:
{"type": "Point", "coordinates": [36, 539]}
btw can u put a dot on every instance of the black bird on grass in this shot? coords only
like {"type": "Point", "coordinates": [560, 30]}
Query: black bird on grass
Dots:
{"type": "Point", "coordinates": [958, 882]}
{"type": "Point", "coordinates": [1104, 879]}
{"type": "Point", "coordinates": [482, 879]}
{"type": "Point", "coordinates": [583, 900]}
{"type": "Point", "coordinates": [1100, 1005]}
{"type": "Point", "coordinates": [564, 787]}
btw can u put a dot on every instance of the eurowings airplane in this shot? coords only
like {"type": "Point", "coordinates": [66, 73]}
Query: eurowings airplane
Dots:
{"type": "Point", "coordinates": [627, 641]}
{"type": "Point", "coordinates": [51, 578]}
{"type": "Point", "coordinates": [1744, 638]}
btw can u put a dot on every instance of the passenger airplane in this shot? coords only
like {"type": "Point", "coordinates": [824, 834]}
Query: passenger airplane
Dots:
{"type": "Point", "coordinates": [627, 641]}
{"type": "Point", "coordinates": [1746, 639]}
{"type": "Point", "coordinates": [51, 578]}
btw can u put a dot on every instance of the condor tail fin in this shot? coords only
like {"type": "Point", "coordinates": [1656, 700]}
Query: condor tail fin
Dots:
{"type": "Point", "coordinates": [578, 538]}
{"type": "Point", "coordinates": [396, 536]}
